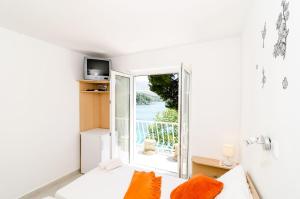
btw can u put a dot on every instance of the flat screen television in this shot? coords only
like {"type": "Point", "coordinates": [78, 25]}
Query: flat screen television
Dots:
{"type": "Point", "coordinates": [96, 68]}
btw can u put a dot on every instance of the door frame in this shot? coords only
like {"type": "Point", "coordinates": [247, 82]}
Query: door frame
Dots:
{"type": "Point", "coordinates": [159, 71]}
{"type": "Point", "coordinates": [180, 105]}
{"type": "Point", "coordinates": [112, 108]}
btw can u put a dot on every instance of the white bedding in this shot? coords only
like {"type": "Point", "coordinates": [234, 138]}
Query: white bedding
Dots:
{"type": "Point", "coordinates": [101, 184]}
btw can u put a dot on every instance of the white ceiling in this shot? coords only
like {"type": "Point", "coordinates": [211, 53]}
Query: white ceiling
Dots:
{"type": "Point", "coordinates": [119, 27]}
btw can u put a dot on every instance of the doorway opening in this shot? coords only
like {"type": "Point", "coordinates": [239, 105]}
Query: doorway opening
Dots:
{"type": "Point", "coordinates": [156, 135]}
{"type": "Point", "coordinates": [150, 120]}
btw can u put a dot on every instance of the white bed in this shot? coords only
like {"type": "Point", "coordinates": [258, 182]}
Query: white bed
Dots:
{"type": "Point", "coordinates": [101, 184]}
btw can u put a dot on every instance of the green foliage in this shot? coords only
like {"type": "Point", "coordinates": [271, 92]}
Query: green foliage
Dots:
{"type": "Point", "coordinates": [165, 129]}
{"type": "Point", "coordinates": [166, 86]}
{"type": "Point", "coordinates": [169, 115]}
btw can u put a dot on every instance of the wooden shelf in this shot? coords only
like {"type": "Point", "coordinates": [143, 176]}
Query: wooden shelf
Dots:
{"type": "Point", "coordinates": [209, 162]}
{"type": "Point", "coordinates": [209, 167]}
{"type": "Point", "coordinates": [94, 91]}
{"type": "Point", "coordinates": [94, 81]}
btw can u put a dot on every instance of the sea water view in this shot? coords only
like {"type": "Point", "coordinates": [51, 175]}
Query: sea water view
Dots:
{"type": "Point", "coordinates": [148, 112]}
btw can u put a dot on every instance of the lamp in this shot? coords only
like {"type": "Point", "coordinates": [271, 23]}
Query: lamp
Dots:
{"type": "Point", "coordinates": [228, 153]}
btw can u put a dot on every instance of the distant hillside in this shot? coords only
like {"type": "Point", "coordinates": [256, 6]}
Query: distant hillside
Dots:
{"type": "Point", "coordinates": [146, 98]}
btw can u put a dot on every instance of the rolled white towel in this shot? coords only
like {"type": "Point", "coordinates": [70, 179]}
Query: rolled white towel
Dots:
{"type": "Point", "coordinates": [103, 164]}
{"type": "Point", "coordinates": [115, 163]}
{"type": "Point", "coordinates": [110, 164]}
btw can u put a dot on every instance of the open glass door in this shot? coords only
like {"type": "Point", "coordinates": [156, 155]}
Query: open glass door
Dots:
{"type": "Point", "coordinates": [184, 107]}
{"type": "Point", "coordinates": [156, 123]}
{"type": "Point", "coordinates": [121, 115]}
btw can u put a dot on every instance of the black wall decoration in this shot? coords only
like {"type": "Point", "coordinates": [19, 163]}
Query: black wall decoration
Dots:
{"type": "Point", "coordinates": [280, 47]}
{"type": "Point", "coordinates": [264, 33]}
{"type": "Point", "coordinates": [264, 78]}
{"type": "Point", "coordinates": [283, 31]}
{"type": "Point", "coordinates": [285, 83]}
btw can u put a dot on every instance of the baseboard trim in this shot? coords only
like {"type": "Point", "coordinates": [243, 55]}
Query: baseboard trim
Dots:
{"type": "Point", "coordinates": [45, 187]}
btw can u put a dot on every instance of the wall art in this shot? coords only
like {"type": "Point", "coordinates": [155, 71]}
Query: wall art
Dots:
{"type": "Point", "coordinates": [285, 83]}
{"type": "Point", "coordinates": [264, 78]}
{"type": "Point", "coordinates": [283, 31]}
{"type": "Point", "coordinates": [263, 34]}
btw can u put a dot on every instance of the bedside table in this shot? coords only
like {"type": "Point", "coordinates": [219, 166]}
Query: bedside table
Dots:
{"type": "Point", "coordinates": [209, 167]}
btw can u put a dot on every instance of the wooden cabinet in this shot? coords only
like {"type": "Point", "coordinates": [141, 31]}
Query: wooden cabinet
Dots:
{"type": "Point", "coordinates": [94, 123]}
{"type": "Point", "coordinates": [207, 166]}
{"type": "Point", "coordinates": [94, 105]}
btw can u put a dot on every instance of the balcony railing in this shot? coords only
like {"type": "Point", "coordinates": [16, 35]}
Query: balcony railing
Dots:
{"type": "Point", "coordinates": [164, 133]}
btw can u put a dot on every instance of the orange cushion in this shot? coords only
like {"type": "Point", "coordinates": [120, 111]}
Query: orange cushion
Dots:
{"type": "Point", "coordinates": [144, 185]}
{"type": "Point", "coordinates": [198, 187]}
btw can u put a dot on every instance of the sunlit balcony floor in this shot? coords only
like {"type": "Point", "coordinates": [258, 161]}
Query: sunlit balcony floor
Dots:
{"type": "Point", "coordinates": [158, 161]}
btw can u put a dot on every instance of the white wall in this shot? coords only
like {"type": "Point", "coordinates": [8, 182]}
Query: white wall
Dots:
{"type": "Point", "coordinates": [215, 89]}
{"type": "Point", "coordinates": [272, 111]}
{"type": "Point", "coordinates": [39, 136]}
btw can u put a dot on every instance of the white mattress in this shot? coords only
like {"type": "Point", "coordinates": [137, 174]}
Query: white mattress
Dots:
{"type": "Point", "coordinates": [99, 184]}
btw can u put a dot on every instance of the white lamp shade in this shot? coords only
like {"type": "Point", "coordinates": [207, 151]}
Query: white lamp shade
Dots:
{"type": "Point", "coordinates": [228, 150]}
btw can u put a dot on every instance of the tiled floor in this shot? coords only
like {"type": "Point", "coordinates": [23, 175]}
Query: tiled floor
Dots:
{"type": "Point", "coordinates": [51, 189]}
{"type": "Point", "coordinates": [158, 161]}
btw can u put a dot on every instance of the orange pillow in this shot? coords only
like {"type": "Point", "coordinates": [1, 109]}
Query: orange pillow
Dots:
{"type": "Point", "coordinates": [198, 187]}
{"type": "Point", "coordinates": [144, 185]}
